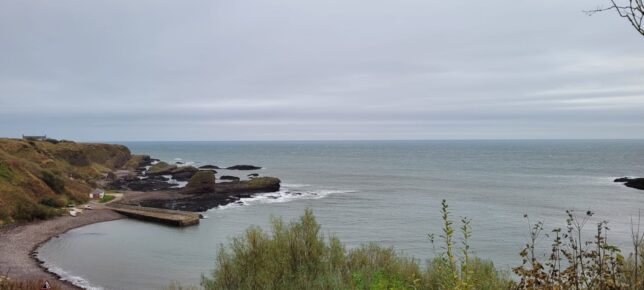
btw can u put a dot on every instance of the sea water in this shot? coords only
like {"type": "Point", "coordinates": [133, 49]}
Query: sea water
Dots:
{"type": "Point", "coordinates": [388, 192]}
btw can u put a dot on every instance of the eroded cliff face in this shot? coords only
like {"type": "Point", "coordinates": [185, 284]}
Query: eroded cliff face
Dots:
{"type": "Point", "coordinates": [37, 178]}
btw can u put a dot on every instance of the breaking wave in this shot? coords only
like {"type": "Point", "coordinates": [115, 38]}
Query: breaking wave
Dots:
{"type": "Point", "coordinates": [288, 193]}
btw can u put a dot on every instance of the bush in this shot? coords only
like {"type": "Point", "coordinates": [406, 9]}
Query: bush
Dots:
{"type": "Point", "coordinates": [54, 201]}
{"type": "Point", "coordinates": [55, 182]}
{"type": "Point", "coordinates": [298, 256]}
{"type": "Point", "coordinates": [26, 212]}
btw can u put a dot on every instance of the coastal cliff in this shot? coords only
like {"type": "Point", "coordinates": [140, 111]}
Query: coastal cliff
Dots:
{"type": "Point", "coordinates": [37, 178]}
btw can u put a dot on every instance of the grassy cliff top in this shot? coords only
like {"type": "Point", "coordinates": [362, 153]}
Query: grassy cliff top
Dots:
{"type": "Point", "coordinates": [39, 177]}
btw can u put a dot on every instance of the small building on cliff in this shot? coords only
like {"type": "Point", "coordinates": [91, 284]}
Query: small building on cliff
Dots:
{"type": "Point", "coordinates": [97, 193]}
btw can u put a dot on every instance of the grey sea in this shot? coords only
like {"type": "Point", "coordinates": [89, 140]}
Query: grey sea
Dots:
{"type": "Point", "coordinates": [388, 192]}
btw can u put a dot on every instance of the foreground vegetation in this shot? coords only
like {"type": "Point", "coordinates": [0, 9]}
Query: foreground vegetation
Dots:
{"type": "Point", "coordinates": [7, 283]}
{"type": "Point", "coordinates": [297, 256]}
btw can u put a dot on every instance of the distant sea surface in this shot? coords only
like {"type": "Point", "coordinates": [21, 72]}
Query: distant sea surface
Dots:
{"type": "Point", "coordinates": [388, 192]}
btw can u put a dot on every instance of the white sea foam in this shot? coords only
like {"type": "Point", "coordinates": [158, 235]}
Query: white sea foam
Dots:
{"type": "Point", "coordinates": [295, 185]}
{"type": "Point", "coordinates": [76, 280]}
{"type": "Point", "coordinates": [288, 193]}
{"type": "Point", "coordinates": [177, 183]}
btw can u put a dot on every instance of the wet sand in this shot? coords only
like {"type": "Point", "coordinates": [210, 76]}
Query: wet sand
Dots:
{"type": "Point", "coordinates": [18, 243]}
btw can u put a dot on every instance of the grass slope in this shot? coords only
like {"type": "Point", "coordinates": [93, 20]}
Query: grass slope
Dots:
{"type": "Point", "coordinates": [37, 177]}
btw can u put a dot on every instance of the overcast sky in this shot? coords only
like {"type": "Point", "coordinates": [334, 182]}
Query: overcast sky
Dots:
{"type": "Point", "coordinates": [323, 69]}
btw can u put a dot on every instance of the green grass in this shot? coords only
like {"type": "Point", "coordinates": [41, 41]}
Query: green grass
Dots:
{"type": "Point", "coordinates": [6, 173]}
{"type": "Point", "coordinates": [106, 198]}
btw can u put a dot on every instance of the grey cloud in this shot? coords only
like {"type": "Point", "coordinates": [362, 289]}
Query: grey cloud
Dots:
{"type": "Point", "coordinates": [147, 70]}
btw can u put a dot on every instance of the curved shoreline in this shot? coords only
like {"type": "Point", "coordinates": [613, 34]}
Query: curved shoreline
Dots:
{"type": "Point", "coordinates": [19, 244]}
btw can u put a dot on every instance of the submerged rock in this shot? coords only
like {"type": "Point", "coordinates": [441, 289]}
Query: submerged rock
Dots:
{"type": "Point", "coordinates": [244, 167]}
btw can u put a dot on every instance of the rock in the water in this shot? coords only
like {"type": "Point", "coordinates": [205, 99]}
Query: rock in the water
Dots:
{"type": "Point", "coordinates": [244, 167]}
{"type": "Point", "coordinates": [201, 182]}
{"type": "Point", "coordinates": [184, 173]}
{"type": "Point", "coordinates": [635, 183]}
{"type": "Point", "coordinates": [161, 168]}
{"type": "Point", "coordinates": [179, 163]}
{"type": "Point", "coordinates": [255, 185]}
{"type": "Point", "coordinates": [229, 177]}
{"type": "Point", "coordinates": [253, 175]}
{"type": "Point", "coordinates": [209, 167]}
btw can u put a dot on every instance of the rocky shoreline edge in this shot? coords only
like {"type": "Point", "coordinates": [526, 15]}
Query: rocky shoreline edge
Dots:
{"type": "Point", "coordinates": [157, 184]}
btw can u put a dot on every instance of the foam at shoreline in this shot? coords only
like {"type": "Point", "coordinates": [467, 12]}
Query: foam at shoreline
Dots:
{"type": "Point", "coordinates": [65, 276]}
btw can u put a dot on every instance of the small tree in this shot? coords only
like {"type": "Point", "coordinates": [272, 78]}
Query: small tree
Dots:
{"type": "Point", "coordinates": [632, 10]}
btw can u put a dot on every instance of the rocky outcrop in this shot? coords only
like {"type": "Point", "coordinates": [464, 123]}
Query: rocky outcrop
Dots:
{"type": "Point", "coordinates": [209, 167]}
{"type": "Point", "coordinates": [161, 168]}
{"type": "Point", "coordinates": [224, 193]}
{"type": "Point", "coordinates": [243, 167]}
{"type": "Point", "coordinates": [255, 185]}
{"type": "Point", "coordinates": [201, 182]}
{"type": "Point", "coordinates": [637, 183]}
{"type": "Point", "coordinates": [183, 173]}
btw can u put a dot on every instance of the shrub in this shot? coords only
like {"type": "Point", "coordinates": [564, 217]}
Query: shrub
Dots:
{"type": "Point", "coordinates": [54, 201]}
{"type": "Point", "coordinates": [55, 182]}
{"type": "Point", "coordinates": [25, 212]}
{"type": "Point", "coordinates": [298, 256]}
{"type": "Point", "coordinates": [573, 263]}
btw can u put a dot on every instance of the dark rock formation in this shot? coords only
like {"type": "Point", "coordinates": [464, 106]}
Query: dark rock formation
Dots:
{"type": "Point", "coordinates": [201, 182]}
{"type": "Point", "coordinates": [255, 185]}
{"type": "Point", "coordinates": [253, 175]}
{"type": "Point", "coordinates": [209, 167]}
{"type": "Point", "coordinates": [130, 182]}
{"type": "Point", "coordinates": [637, 183]}
{"type": "Point", "coordinates": [244, 167]}
{"type": "Point", "coordinates": [229, 177]}
{"type": "Point", "coordinates": [184, 173]}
